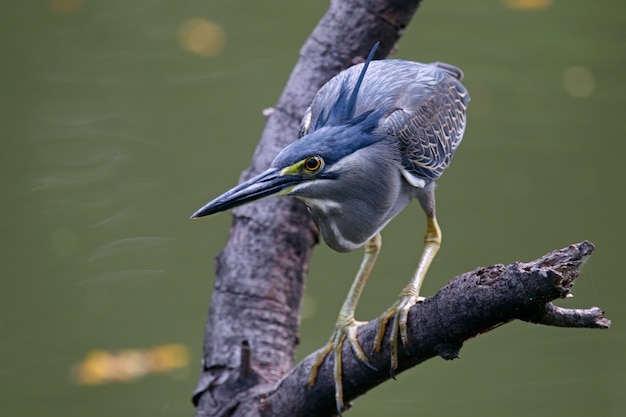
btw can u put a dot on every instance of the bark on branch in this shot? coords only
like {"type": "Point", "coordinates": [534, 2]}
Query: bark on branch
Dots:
{"type": "Point", "coordinates": [471, 304]}
{"type": "Point", "coordinates": [252, 328]}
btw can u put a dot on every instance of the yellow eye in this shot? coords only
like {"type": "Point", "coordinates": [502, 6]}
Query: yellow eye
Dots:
{"type": "Point", "coordinates": [313, 163]}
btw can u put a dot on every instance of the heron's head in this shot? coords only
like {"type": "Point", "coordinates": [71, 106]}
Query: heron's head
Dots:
{"type": "Point", "coordinates": [320, 168]}
{"type": "Point", "coordinates": [323, 165]}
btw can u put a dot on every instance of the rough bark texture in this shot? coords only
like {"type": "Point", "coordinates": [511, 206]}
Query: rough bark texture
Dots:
{"type": "Point", "coordinates": [252, 329]}
{"type": "Point", "coordinates": [471, 304]}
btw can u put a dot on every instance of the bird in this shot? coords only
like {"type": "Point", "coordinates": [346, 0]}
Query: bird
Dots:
{"type": "Point", "coordinates": [376, 136]}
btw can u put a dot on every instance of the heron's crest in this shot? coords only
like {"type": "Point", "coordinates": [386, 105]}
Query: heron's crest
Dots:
{"type": "Point", "coordinates": [342, 111]}
{"type": "Point", "coordinates": [338, 131]}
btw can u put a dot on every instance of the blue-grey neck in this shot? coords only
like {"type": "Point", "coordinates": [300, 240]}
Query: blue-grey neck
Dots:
{"type": "Point", "coordinates": [367, 191]}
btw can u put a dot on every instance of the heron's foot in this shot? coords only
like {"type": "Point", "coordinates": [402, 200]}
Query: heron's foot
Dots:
{"type": "Point", "coordinates": [398, 313]}
{"type": "Point", "coordinates": [343, 332]}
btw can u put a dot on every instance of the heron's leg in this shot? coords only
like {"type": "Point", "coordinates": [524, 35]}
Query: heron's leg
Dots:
{"type": "Point", "coordinates": [410, 294]}
{"type": "Point", "coordinates": [346, 326]}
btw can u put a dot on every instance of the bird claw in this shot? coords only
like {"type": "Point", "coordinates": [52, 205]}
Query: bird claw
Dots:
{"type": "Point", "coordinates": [342, 333]}
{"type": "Point", "coordinates": [399, 311]}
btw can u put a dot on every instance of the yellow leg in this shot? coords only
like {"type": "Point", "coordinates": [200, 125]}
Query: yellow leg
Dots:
{"type": "Point", "coordinates": [346, 326]}
{"type": "Point", "coordinates": [409, 295]}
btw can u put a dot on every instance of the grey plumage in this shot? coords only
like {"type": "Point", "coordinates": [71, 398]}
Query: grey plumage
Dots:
{"type": "Point", "coordinates": [419, 120]}
{"type": "Point", "coordinates": [424, 109]}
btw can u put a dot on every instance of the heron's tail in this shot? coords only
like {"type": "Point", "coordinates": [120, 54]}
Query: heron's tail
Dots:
{"type": "Point", "coordinates": [450, 69]}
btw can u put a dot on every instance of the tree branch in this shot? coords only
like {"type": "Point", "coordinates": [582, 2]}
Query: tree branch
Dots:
{"type": "Point", "coordinates": [261, 271]}
{"type": "Point", "coordinates": [471, 304]}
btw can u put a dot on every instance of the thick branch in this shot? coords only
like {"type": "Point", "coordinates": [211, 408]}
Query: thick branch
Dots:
{"type": "Point", "coordinates": [260, 273]}
{"type": "Point", "coordinates": [471, 304]}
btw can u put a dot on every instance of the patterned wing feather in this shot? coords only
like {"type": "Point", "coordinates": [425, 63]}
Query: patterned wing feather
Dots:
{"type": "Point", "coordinates": [425, 109]}
{"type": "Point", "coordinates": [429, 120]}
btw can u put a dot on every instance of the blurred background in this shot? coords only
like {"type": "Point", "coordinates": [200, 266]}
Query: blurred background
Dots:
{"type": "Point", "coordinates": [119, 119]}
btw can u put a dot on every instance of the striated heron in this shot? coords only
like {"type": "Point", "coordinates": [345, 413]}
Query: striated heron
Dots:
{"type": "Point", "coordinates": [375, 137]}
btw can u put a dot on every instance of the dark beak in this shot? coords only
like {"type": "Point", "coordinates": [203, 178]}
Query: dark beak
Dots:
{"type": "Point", "coordinates": [267, 184]}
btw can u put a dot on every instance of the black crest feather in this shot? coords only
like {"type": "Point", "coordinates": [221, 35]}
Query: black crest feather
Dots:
{"type": "Point", "coordinates": [342, 111]}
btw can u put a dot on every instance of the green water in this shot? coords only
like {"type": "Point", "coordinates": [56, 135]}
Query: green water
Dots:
{"type": "Point", "coordinates": [113, 133]}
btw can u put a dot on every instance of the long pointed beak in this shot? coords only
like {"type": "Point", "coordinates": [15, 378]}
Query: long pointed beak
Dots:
{"type": "Point", "coordinates": [266, 184]}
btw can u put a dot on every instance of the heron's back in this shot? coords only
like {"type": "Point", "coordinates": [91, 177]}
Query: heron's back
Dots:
{"type": "Point", "coordinates": [424, 109]}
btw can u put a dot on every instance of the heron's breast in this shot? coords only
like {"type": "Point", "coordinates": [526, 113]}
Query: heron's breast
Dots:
{"type": "Point", "coordinates": [335, 239]}
{"type": "Point", "coordinates": [330, 221]}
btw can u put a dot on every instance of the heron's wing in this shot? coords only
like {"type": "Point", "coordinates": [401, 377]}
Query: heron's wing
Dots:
{"type": "Point", "coordinates": [429, 120]}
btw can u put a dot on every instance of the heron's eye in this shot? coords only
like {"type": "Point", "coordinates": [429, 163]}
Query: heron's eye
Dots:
{"type": "Point", "coordinates": [313, 163]}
